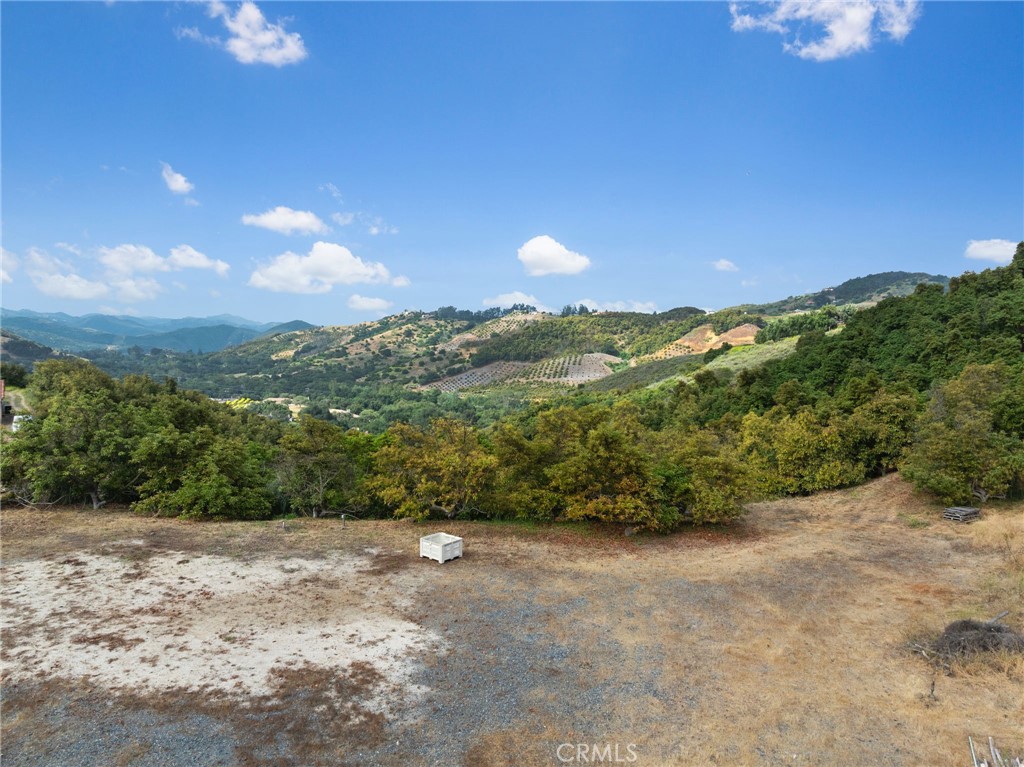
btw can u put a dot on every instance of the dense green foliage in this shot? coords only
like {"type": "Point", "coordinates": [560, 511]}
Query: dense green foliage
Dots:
{"type": "Point", "coordinates": [932, 383]}
{"type": "Point", "coordinates": [872, 287]}
{"type": "Point", "coordinates": [970, 439]}
{"type": "Point", "coordinates": [629, 378]}
{"type": "Point", "coordinates": [617, 333]}
{"type": "Point", "coordinates": [21, 351]}
{"type": "Point", "coordinates": [475, 318]}
{"type": "Point", "coordinates": [571, 335]}
{"type": "Point", "coordinates": [826, 318]}
{"type": "Point", "coordinates": [136, 441]}
{"type": "Point", "coordinates": [13, 374]}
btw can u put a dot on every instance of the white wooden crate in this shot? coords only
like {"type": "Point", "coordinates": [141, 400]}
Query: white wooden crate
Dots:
{"type": "Point", "coordinates": [441, 546]}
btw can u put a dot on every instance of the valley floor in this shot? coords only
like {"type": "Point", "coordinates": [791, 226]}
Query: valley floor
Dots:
{"type": "Point", "coordinates": [782, 640]}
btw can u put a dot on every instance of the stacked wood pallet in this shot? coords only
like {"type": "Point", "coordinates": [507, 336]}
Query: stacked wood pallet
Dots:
{"type": "Point", "coordinates": [961, 513]}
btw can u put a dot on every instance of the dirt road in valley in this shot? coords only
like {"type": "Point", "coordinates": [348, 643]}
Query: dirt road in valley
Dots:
{"type": "Point", "coordinates": [782, 640]}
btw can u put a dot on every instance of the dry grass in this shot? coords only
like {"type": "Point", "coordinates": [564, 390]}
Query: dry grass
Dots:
{"type": "Point", "coordinates": [783, 639]}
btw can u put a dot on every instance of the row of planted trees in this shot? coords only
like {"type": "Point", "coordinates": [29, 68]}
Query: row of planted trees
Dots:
{"type": "Point", "coordinates": [652, 462]}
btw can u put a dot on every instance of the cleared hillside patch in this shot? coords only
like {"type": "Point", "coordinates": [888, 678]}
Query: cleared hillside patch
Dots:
{"type": "Point", "coordinates": [704, 338]}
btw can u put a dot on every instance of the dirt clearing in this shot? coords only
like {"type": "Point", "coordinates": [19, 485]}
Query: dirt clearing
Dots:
{"type": "Point", "coordinates": [783, 640]}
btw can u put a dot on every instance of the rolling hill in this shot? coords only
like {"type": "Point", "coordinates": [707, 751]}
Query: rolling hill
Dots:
{"type": "Point", "coordinates": [412, 364]}
{"type": "Point", "coordinates": [866, 290]}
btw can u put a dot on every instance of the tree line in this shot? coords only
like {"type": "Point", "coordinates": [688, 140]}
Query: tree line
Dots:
{"type": "Point", "coordinates": [931, 384]}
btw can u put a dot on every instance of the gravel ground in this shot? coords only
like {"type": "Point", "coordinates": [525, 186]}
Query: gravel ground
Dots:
{"type": "Point", "coordinates": [781, 642]}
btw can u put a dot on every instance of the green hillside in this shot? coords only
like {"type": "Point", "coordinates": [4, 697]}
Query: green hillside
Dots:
{"type": "Point", "coordinates": [859, 290]}
{"type": "Point", "coordinates": [930, 384]}
{"type": "Point", "coordinates": [418, 365]}
{"type": "Point", "coordinates": [21, 351]}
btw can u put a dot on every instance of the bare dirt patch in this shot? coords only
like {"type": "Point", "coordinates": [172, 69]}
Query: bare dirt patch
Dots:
{"type": "Point", "coordinates": [781, 640]}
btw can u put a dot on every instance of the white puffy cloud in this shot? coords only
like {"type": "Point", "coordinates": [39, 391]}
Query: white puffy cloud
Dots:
{"type": "Point", "coordinates": [132, 289]}
{"type": "Point", "coordinates": [647, 307]}
{"type": "Point", "coordinates": [252, 39]}
{"type": "Point", "coordinates": [8, 263]}
{"type": "Point", "coordinates": [325, 266]}
{"type": "Point", "coordinates": [401, 281]}
{"type": "Point", "coordinates": [544, 255]}
{"type": "Point", "coordinates": [367, 304]}
{"type": "Point", "coordinates": [187, 257]}
{"type": "Point", "coordinates": [1000, 251]}
{"type": "Point", "coordinates": [725, 265]}
{"type": "Point", "coordinates": [506, 300]}
{"type": "Point", "coordinates": [824, 30]}
{"type": "Point", "coordinates": [287, 221]}
{"type": "Point", "coordinates": [68, 286]}
{"type": "Point", "coordinates": [343, 219]}
{"type": "Point", "coordinates": [175, 181]}
{"type": "Point", "coordinates": [57, 278]}
{"type": "Point", "coordinates": [127, 259]}
{"type": "Point", "coordinates": [126, 271]}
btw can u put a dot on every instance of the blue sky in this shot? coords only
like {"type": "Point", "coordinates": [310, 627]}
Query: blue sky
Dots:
{"type": "Point", "coordinates": [337, 161]}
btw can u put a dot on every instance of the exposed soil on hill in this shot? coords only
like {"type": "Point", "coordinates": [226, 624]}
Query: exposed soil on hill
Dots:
{"type": "Point", "coordinates": [785, 639]}
{"type": "Point", "coordinates": [704, 338]}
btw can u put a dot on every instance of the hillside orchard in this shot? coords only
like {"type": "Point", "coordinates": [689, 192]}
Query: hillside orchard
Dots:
{"type": "Point", "coordinates": [931, 384]}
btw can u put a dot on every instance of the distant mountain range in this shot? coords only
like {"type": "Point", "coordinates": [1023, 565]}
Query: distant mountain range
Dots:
{"type": "Point", "coordinates": [64, 332]}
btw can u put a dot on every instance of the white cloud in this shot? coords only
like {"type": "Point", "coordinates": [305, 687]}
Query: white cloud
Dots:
{"type": "Point", "coordinates": [839, 28]}
{"type": "Point", "coordinates": [544, 255]}
{"type": "Point", "coordinates": [506, 300]}
{"type": "Point", "coordinates": [121, 266]}
{"type": "Point", "coordinates": [131, 289]}
{"type": "Point", "coordinates": [57, 278]}
{"type": "Point", "coordinates": [187, 257]}
{"type": "Point", "coordinates": [376, 225]}
{"type": "Point", "coordinates": [252, 39]}
{"type": "Point", "coordinates": [401, 281]}
{"type": "Point", "coordinates": [176, 182]}
{"type": "Point", "coordinates": [69, 248]}
{"type": "Point", "coordinates": [332, 190]}
{"type": "Point", "coordinates": [8, 264]}
{"type": "Point", "coordinates": [287, 221]}
{"type": "Point", "coordinates": [68, 286]}
{"type": "Point", "coordinates": [1000, 251]}
{"type": "Point", "coordinates": [325, 266]}
{"type": "Point", "coordinates": [725, 265]}
{"type": "Point", "coordinates": [193, 33]}
{"type": "Point", "coordinates": [647, 307]}
{"type": "Point", "coordinates": [366, 304]}
{"type": "Point", "coordinates": [192, 203]}
{"type": "Point", "coordinates": [127, 259]}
